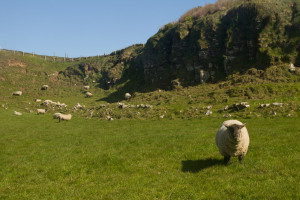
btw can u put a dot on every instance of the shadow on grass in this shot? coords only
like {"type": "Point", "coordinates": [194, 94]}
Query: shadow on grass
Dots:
{"type": "Point", "coordinates": [195, 166]}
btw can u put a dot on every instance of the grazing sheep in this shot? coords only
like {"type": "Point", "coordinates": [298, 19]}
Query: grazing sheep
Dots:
{"type": "Point", "coordinates": [88, 94]}
{"type": "Point", "coordinates": [55, 116]}
{"type": "Point", "coordinates": [109, 118]}
{"type": "Point", "coordinates": [232, 139]}
{"type": "Point", "coordinates": [38, 100]}
{"type": "Point", "coordinates": [41, 111]}
{"type": "Point", "coordinates": [64, 117]}
{"type": "Point", "coordinates": [17, 93]}
{"type": "Point", "coordinates": [86, 87]}
{"type": "Point", "coordinates": [292, 68]}
{"type": "Point", "coordinates": [44, 87]}
{"type": "Point", "coordinates": [17, 113]}
{"type": "Point", "coordinates": [127, 96]}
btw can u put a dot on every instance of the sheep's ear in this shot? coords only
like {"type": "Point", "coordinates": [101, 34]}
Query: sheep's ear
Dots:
{"type": "Point", "coordinates": [242, 126]}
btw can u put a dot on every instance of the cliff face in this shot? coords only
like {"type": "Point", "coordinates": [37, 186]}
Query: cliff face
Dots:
{"type": "Point", "coordinates": [250, 35]}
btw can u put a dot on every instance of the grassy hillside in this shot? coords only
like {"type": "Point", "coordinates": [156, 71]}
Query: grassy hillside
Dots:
{"type": "Point", "coordinates": [171, 159]}
{"type": "Point", "coordinates": [28, 74]}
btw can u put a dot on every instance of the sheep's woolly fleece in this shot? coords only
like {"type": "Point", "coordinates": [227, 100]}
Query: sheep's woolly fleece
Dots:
{"type": "Point", "coordinates": [227, 145]}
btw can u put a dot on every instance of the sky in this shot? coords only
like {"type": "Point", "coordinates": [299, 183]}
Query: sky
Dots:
{"type": "Point", "coordinates": [85, 27]}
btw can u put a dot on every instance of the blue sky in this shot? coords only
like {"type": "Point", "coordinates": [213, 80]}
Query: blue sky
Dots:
{"type": "Point", "coordinates": [84, 27]}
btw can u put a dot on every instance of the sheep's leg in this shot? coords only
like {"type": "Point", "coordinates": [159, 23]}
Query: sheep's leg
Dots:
{"type": "Point", "coordinates": [59, 119]}
{"type": "Point", "coordinates": [226, 159]}
{"type": "Point", "coordinates": [241, 157]}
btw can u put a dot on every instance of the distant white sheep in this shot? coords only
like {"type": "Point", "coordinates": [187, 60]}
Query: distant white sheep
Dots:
{"type": "Point", "coordinates": [17, 113]}
{"type": "Point", "coordinates": [127, 96]}
{"type": "Point", "coordinates": [41, 111]}
{"type": "Point", "coordinates": [232, 139]}
{"type": "Point", "coordinates": [17, 93]}
{"type": "Point", "coordinates": [44, 87]}
{"type": "Point", "coordinates": [86, 87]}
{"type": "Point", "coordinates": [64, 117]}
{"type": "Point", "coordinates": [55, 116]}
{"type": "Point", "coordinates": [37, 100]}
{"type": "Point", "coordinates": [88, 94]}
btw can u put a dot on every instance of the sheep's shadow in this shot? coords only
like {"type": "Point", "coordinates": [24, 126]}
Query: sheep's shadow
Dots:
{"type": "Point", "coordinates": [195, 166]}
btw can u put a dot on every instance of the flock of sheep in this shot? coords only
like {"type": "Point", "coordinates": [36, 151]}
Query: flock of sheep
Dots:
{"type": "Point", "coordinates": [232, 138]}
{"type": "Point", "coordinates": [39, 111]}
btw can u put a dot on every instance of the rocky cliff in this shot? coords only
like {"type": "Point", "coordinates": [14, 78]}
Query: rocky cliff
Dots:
{"type": "Point", "coordinates": [252, 34]}
{"type": "Point", "coordinates": [237, 36]}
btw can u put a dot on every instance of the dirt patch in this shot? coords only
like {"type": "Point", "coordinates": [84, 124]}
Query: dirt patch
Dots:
{"type": "Point", "coordinates": [2, 78]}
{"type": "Point", "coordinates": [12, 63]}
{"type": "Point", "coordinates": [17, 64]}
{"type": "Point", "coordinates": [53, 77]}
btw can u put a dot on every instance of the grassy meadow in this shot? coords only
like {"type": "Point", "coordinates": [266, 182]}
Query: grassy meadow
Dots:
{"type": "Point", "coordinates": [144, 159]}
{"type": "Point", "coordinates": [167, 151]}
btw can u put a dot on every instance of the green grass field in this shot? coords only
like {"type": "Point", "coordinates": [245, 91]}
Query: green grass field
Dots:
{"type": "Point", "coordinates": [138, 159]}
{"type": "Point", "coordinates": [165, 150]}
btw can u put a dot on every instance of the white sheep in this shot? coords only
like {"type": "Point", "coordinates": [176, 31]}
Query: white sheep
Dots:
{"type": "Point", "coordinates": [17, 113]}
{"type": "Point", "coordinates": [64, 117]}
{"type": "Point", "coordinates": [86, 87]}
{"type": "Point", "coordinates": [17, 93]}
{"type": "Point", "coordinates": [44, 87]}
{"type": "Point", "coordinates": [127, 96]}
{"type": "Point", "coordinates": [55, 116]}
{"type": "Point", "coordinates": [88, 94]}
{"type": "Point", "coordinates": [232, 139]}
{"type": "Point", "coordinates": [41, 111]}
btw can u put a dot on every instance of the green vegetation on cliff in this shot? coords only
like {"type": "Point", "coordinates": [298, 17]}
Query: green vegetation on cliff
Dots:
{"type": "Point", "coordinates": [211, 43]}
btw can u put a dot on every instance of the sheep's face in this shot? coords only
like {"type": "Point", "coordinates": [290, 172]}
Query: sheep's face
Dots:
{"type": "Point", "coordinates": [235, 130]}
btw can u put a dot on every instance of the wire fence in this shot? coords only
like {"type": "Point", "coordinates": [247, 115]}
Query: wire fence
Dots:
{"type": "Point", "coordinates": [46, 58]}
